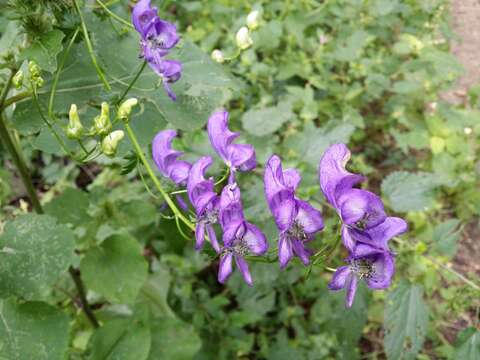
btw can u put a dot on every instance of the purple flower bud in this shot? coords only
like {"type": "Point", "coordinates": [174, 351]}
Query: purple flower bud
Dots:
{"type": "Point", "coordinates": [236, 156]}
{"type": "Point", "coordinates": [166, 158]}
{"type": "Point", "coordinates": [296, 220]}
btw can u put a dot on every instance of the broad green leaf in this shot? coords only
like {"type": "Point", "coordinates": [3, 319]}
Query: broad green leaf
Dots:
{"type": "Point", "coordinates": [351, 49]}
{"type": "Point", "coordinates": [406, 86]}
{"type": "Point", "coordinates": [155, 291]}
{"type": "Point", "coordinates": [310, 144]}
{"type": "Point", "coordinates": [32, 330]}
{"type": "Point", "coordinates": [70, 207]}
{"type": "Point", "coordinates": [468, 344]}
{"type": "Point", "coordinates": [410, 191]}
{"type": "Point", "coordinates": [116, 269]}
{"type": "Point", "coordinates": [406, 319]}
{"type": "Point", "coordinates": [445, 236]}
{"type": "Point", "coordinates": [44, 50]}
{"type": "Point", "coordinates": [173, 339]}
{"type": "Point", "coordinates": [121, 339]}
{"type": "Point", "coordinates": [37, 251]}
{"type": "Point", "coordinates": [268, 120]}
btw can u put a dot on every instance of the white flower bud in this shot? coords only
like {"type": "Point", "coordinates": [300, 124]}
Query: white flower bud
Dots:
{"type": "Point", "coordinates": [18, 79]}
{"type": "Point", "coordinates": [75, 128]}
{"type": "Point", "coordinates": [217, 55]}
{"type": "Point", "coordinates": [102, 122]}
{"type": "Point", "coordinates": [253, 20]}
{"type": "Point", "coordinates": [467, 130]}
{"type": "Point", "coordinates": [111, 141]}
{"type": "Point", "coordinates": [244, 41]}
{"type": "Point", "coordinates": [125, 109]}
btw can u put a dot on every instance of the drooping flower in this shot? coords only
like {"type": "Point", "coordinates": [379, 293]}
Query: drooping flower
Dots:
{"type": "Point", "coordinates": [296, 219]}
{"type": "Point", "coordinates": [375, 266]}
{"type": "Point", "coordinates": [205, 201]}
{"type": "Point", "coordinates": [166, 158]}
{"type": "Point", "coordinates": [237, 156]}
{"type": "Point", "coordinates": [360, 210]}
{"type": "Point", "coordinates": [158, 37]}
{"type": "Point", "coordinates": [239, 236]}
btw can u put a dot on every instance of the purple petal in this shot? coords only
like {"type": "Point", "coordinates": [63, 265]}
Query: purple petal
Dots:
{"type": "Point", "coordinates": [181, 202]}
{"type": "Point", "coordinates": [285, 251]}
{"type": "Point", "coordinates": [243, 267]}
{"type": "Point", "coordinates": [200, 190]}
{"type": "Point", "coordinates": [274, 180]}
{"type": "Point", "coordinates": [199, 235]}
{"type": "Point", "coordinates": [384, 266]}
{"type": "Point", "coordinates": [168, 89]}
{"type": "Point", "coordinates": [230, 206]}
{"type": "Point", "coordinates": [309, 217]}
{"type": "Point", "coordinates": [334, 178]}
{"type": "Point", "coordinates": [255, 240]}
{"type": "Point", "coordinates": [348, 241]}
{"type": "Point", "coordinates": [232, 230]}
{"type": "Point", "coordinates": [365, 250]}
{"type": "Point", "coordinates": [291, 178]}
{"type": "Point", "coordinates": [241, 157]}
{"type": "Point", "coordinates": [225, 268]}
{"type": "Point", "coordinates": [284, 212]}
{"type": "Point", "coordinates": [166, 158]}
{"type": "Point", "coordinates": [165, 33]}
{"type": "Point", "coordinates": [300, 251]}
{"type": "Point", "coordinates": [219, 134]}
{"type": "Point", "coordinates": [382, 233]}
{"type": "Point", "coordinates": [339, 278]}
{"type": "Point", "coordinates": [142, 15]}
{"type": "Point", "coordinates": [352, 282]}
{"type": "Point", "coordinates": [361, 206]}
{"type": "Point", "coordinates": [213, 238]}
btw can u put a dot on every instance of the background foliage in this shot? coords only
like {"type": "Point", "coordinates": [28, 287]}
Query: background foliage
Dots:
{"type": "Point", "coordinates": [369, 73]}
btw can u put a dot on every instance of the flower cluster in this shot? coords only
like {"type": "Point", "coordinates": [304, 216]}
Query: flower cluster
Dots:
{"type": "Point", "coordinates": [366, 229]}
{"type": "Point", "coordinates": [157, 38]}
{"type": "Point", "coordinates": [240, 238]}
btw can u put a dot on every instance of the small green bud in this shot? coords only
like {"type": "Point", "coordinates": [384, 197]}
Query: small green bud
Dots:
{"type": "Point", "coordinates": [75, 127]}
{"type": "Point", "coordinates": [244, 41]}
{"type": "Point", "coordinates": [102, 124]}
{"type": "Point", "coordinates": [111, 141]}
{"type": "Point", "coordinates": [253, 20]}
{"type": "Point", "coordinates": [35, 71]}
{"type": "Point", "coordinates": [18, 79]}
{"type": "Point", "coordinates": [125, 109]}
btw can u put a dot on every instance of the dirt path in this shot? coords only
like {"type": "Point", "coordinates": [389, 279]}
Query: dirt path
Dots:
{"type": "Point", "coordinates": [466, 24]}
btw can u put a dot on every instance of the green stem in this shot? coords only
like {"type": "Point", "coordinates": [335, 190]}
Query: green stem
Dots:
{"type": "Point", "coordinates": [113, 15]}
{"type": "Point", "coordinates": [134, 80]}
{"type": "Point", "coordinates": [155, 180]}
{"type": "Point", "coordinates": [90, 48]}
{"type": "Point", "coordinates": [15, 98]}
{"type": "Point", "coordinates": [57, 75]}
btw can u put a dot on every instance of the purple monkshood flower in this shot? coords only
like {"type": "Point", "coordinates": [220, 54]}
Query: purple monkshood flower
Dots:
{"type": "Point", "coordinates": [366, 229]}
{"type": "Point", "coordinates": [296, 219]}
{"type": "Point", "coordinates": [205, 201]}
{"type": "Point", "coordinates": [239, 236]}
{"type": "Point", "coordinates": [362, 212]}
{"type": "Point", "coordinates": [375, 266]}
{"type": "Point", "coordinates": [157, 38]}
{"type": "Point", "coordinates": [166, 158]}
{"type": "Point", "coordinates": [237, 156]}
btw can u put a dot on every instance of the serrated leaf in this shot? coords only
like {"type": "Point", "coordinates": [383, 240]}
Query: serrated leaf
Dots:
{"type": "Point", "coordinates": [405, 323]}
{"type": "Point", "coordinates": [121, 339]}
{"type": "Point", "coordinates": [445, 236]}
{"type": "Point", "coordinates": [116, 269]}
{"type": "Point", "coordinates": [173, 339]}
{"type": "Point", "coordinates": [310, 144]}
{"type": "Point", "coordinates": [32, 330]}
{"type": "Point", "coordinates": [410, 191]}
{"type": "Point", "coordinates": [38, 250]}
{"type": "Point", "coordinates": [70, 207]}
{"type": "Point", "coordinates": [44, 50]}
{"type": "Point", "coordinates": [467, 346]}
{"type": "Point", "coordinates": [267, 120]}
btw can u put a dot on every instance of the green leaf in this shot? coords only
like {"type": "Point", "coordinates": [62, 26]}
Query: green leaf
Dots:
{"type": "Point", "coordinates": [36, 251]}
{"type": "Point", "coordinates": [44, 50]}
{"type": "Point", "coordinates": [116, 269]}
{"type": "Point", "coordinates": [468, 344]}
{"type": "Point", "coordinates": [121, 339]}
{"type": "Point", "coordinates": [70, 207]}
{"type": "Point", "coordinates": [351, 49]}
{"type": "Point", "coordinates": [406, 320]}
{"type": "Point", "coordinates": [32, 330]}
{"type": "Point", "coordinates": [310, 144]}
{"type": "Point", "coordinates": [445, 236]}
{"type": "Point", "coordinates": [155, 291]}
{"type": "Point", "coordinates": [410, 191]}
{"type": "Point", "coordinates": [267, 120]}
{"type": "Point", "coordinates": [173, 339]}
